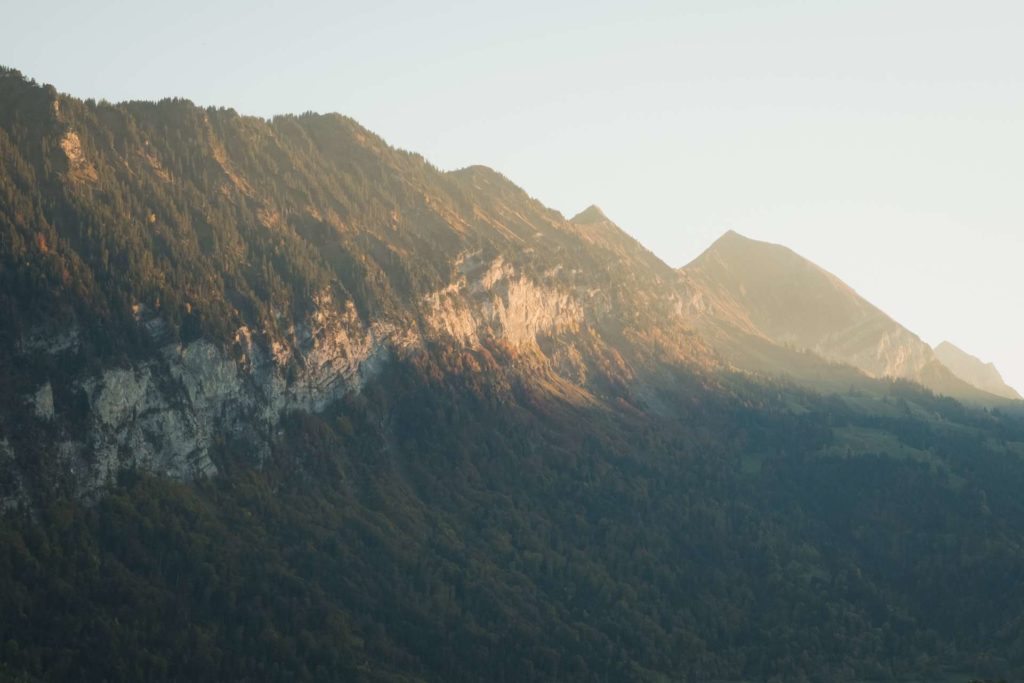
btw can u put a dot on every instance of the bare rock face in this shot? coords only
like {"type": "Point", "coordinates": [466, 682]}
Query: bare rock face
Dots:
{"type": "Point", "coordinates": [493, 300]}
{"type": "Point", "coordinates": [79, 167]}
{"type": "Point", "coordinates": [165, 414]}
{"type": "Point", "coordinates": [137, 424]}
{"type": "Point", "coordinates": [42, 402]}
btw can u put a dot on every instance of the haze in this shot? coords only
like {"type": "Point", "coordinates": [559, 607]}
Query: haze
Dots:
{"type": "Point", "coordinates": [882, 140]}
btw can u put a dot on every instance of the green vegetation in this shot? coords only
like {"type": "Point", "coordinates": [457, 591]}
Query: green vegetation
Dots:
{"type": "Point", "coordinates": [492, 540]}
{"type": "Point", "coordinates": [458, 518]}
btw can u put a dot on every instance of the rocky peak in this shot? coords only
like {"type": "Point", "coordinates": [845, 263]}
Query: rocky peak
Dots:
{"type": "Point", "coordinates": [732, 237]}
{"type": "Point", "coordinates": [589, 215]}
{"type": "Point", "coordinates": [974, 371]}
{"type": "Point", "coordinates": [758, 290]}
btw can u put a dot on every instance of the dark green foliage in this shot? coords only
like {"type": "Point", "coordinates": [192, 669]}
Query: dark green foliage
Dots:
{"type": "Point", "coordinates": [453, 520]}
{"type": "Point", "coordinates": [414, 532]}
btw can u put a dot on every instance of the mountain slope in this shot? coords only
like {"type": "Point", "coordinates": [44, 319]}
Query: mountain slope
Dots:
{"type": "Point", "coordinates": [754, 292]}
{"type": "Point", "coordinates": [982, 375]}
{"type": "Point", "coordinates": [281, 402]}
{"type": "Point", "coordinates": [221, 271]}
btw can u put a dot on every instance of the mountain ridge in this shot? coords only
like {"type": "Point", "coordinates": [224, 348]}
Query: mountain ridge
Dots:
{"type": "Point", "coordinates": [972, 370]}
{"type": "Point", "coordinates": [282, 402]}
{"type": "Point", "coordinates": [287, 259]}
{"type": "Point", "coordinates": [759, 289]}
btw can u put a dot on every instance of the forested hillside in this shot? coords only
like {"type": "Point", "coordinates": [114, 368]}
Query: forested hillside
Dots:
{"type": "Point", "coordinates": [281, 402]}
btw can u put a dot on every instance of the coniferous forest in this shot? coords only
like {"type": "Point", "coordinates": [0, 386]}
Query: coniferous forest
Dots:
{"type": "Point", "coordinates": [207, 475]}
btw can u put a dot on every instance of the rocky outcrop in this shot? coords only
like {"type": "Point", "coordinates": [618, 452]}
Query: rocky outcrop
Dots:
{"type": "Point", "coordinates": [42, 402]}
{"type": "Point", "coordinates": [79, 167]}
{"type": "Point", "coordinates": [165, 415]}
{"type": "Point", "coordinates": [495, 301]}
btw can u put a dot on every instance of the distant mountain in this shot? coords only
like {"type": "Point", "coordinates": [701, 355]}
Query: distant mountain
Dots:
{"type": "Point", "coordinates": [753, 293]}
{"type": "Point", "coordinates": [975, 372]}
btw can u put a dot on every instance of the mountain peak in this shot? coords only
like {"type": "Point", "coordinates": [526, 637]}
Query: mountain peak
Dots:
{"type": "Point", "coordinates": [591, 214]}
{"type": "Point", "coordinates": [731, 239]}
{"type": "Point", "coordinates": [974, 371]}
{"type": "Point", "coordinates": [782, 296]}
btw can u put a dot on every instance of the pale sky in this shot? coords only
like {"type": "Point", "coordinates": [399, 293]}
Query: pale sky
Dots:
{"type": "Point", "coordinates": [882, 140]}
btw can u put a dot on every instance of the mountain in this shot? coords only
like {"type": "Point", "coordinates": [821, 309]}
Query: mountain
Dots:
{"type": "Point", "coordinates": [279, 401]}
{"type": "Point", "coordinates": [752, 292]}
{"type": "Point", "coordinates": [982, 375]}
{"type": "Point", "coordinates": [173, 273]}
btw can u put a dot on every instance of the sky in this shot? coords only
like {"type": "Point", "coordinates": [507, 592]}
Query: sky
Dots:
{"type": "Point", "coordinates": [882, 140]}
